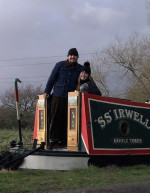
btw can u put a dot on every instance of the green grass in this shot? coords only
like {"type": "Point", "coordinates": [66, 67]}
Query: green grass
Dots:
{"type": "Point", "coordinates": [52, 181]}
{"type": "Point", "coordinates": [7, 135]}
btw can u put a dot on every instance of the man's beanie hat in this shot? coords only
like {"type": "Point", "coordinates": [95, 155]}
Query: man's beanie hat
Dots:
{"type": "Point", "coordinates": [86, 68]}
{"type": "Point", "coordinates": [73, 51]}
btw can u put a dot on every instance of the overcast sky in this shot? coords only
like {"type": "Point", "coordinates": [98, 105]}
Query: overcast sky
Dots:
{"type": "Point", "coordinates": [35, 34]}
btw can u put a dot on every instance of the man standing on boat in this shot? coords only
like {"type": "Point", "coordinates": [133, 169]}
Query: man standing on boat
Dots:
{"type": "Point", "coordinates": [63, 79]}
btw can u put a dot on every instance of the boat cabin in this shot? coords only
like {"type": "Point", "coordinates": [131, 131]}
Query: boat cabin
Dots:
{"type": "Point", "coordinates": [99, 125]}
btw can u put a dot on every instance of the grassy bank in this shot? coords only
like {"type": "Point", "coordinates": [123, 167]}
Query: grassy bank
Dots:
{"type": "Point", "coordinates": [53, 181]}
{"type": "Point", "coordinates": [7, 135]}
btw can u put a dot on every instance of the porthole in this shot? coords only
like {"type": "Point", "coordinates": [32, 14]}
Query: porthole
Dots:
{"type": "Point", "coordinates": [124, 127]}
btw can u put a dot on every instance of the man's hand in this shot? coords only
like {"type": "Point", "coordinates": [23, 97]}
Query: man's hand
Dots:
{"type": "Point", "coordinates": [45, 95]}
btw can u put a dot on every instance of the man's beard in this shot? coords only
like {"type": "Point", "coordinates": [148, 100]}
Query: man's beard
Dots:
{"type": "Point", "coordinates": [73, 63]}
{"type": "Point", "coordinates": [68, 63]}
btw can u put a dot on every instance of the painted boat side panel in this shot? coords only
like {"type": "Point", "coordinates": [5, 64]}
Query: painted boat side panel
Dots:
{"type": "Point", "coordinates": [101, 130]}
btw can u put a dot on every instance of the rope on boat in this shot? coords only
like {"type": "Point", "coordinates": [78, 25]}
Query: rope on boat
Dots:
{"type": "Point", "coordinates": [12, 160]}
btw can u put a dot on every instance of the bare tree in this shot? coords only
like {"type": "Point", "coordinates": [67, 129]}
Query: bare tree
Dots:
{"type": "Point", "coordinates": [100, 72]}
{"type": "Point", "coordinates": [27, 101]}
{"type": "Point", "coordinates": [131, 56]}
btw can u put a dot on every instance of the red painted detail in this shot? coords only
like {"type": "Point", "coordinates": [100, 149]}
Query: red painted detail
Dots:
{"type": "Point", "coordinates": [35, 123]}
{"type": "Point", "coordinates": [116, 100]}
{"type": "Point", "coordinates": [87, 135]}
{"type": "Point", "coordinates": [16, 95]}
{"type": "Point", "coordinates": [120, 152]}
{"type": "Point", "coordinates": [83, 123]}
{"type": "Point", "coordinates": [86, 132]}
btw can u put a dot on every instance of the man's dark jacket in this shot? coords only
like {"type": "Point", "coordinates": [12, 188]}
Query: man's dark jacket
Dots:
{"type": "Point", "coordinates": [63, 79]}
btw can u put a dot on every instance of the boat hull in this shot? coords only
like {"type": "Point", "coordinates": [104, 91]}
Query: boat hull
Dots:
{"type": "Point", "coordinates": [54, 162]}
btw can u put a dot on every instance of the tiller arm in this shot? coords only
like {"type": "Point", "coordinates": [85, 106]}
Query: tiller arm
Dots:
{"type": "Point", "coordinates": [18, 111]}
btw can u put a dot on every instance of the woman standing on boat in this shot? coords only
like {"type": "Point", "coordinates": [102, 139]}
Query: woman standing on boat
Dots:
{"type": "Point", "coordinates": [86, 82]}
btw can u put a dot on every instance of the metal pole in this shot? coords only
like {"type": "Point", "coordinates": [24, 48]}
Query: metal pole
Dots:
{"type": "Point", "coordinates": [18, 111]}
